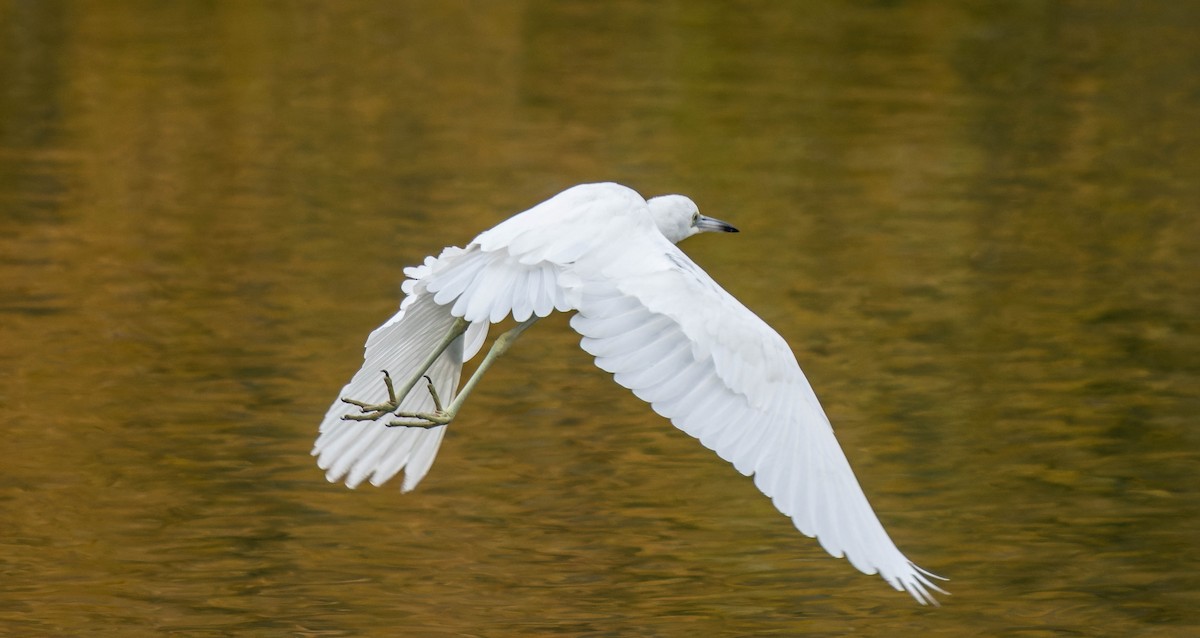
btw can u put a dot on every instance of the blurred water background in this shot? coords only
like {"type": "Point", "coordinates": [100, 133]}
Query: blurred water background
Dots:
{"type": "Point", "coordinates": [976, 224]}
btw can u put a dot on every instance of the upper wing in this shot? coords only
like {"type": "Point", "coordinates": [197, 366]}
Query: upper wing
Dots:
{"type": "Point", "coordinates": [670, 334]}
{"type": "Point", "coordinates": [524, 266]}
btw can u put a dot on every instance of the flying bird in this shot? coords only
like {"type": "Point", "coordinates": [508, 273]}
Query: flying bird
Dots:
{"type": "Point", "coordinates": [651, 317]}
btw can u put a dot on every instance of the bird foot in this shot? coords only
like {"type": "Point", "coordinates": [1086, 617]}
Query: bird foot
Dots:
{"type": "Point", "coordinates": [424, 420]}
{"type": "Point", "coordinates": [376, 411]}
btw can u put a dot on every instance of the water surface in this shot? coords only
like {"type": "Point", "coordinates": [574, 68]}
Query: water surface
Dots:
{"type": "Point", "coordinates": [977, 227]}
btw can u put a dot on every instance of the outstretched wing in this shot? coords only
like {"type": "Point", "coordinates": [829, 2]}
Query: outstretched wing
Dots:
{"type": "Point", "coordinates": [674, 337]}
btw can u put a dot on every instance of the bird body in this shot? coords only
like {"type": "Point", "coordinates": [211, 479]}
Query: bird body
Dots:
{"type": "Point", "coordinates": [651, 317]}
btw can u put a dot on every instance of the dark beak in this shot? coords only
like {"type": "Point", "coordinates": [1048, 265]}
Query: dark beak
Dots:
{"type": "Point", "coordinates": [710, 225]}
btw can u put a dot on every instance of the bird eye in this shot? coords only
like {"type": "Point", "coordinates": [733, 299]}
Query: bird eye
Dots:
{"type": "Point", "coordinates": [695, 217]}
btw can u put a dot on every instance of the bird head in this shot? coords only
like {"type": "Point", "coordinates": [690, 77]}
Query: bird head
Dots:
{"type": "Point", "coordinates": [678, 218]}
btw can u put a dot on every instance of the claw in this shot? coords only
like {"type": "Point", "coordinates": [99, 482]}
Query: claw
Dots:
{"type": "Point", "coordinates": [387, 380]}
{"type": "Point", "coordinates": [437, 403]}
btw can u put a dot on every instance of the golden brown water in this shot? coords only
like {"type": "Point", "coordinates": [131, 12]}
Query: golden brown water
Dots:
{"type": "Point", "coordinates": [978, 227]}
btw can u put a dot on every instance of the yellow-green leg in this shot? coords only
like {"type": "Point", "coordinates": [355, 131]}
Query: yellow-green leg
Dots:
{"type": "Point", "coordinates": [440, 416]}
{"type": "Point", "coordinates": [374, 411]}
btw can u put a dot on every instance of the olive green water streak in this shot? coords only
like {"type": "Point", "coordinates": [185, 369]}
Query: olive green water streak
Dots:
{"type": "Point", "coordinates": [978, 227]}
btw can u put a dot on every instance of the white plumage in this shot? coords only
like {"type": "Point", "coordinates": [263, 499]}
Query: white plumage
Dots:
{"type": "Point", "coordinates": [651, 317]}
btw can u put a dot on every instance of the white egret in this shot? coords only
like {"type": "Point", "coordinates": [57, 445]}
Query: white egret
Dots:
{"type": "Point", "coordinates": [651, 317]}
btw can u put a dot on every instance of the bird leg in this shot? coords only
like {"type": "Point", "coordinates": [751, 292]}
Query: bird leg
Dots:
{"type": "Point", "coordinates": [442, 416]}
{"type": "Point", "coordinates": [374, 411]}
{"type": "Point", "coordinates": [439, 416]}
{"type": "Point", "coordinates": [499, 347]}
